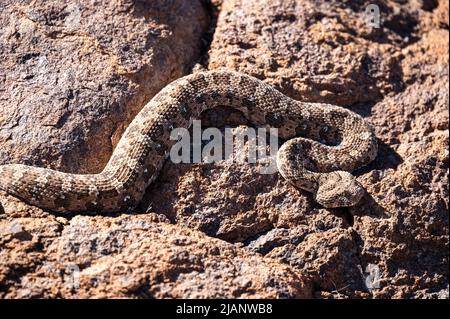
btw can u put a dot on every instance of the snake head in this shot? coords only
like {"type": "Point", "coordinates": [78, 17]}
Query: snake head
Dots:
{"type": "Point", "coordinates": [338, 189]}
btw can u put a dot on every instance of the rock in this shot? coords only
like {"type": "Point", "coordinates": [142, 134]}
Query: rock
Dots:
{"type": "Point", "coordinates": [271, 240]}
{"type": "Point", "coordinates": [138, 256]}
{"type": "Point", "coordinates": [330, 258]}
{"type": "Point", "coordinates": [397, 77]}
{"type": "Point", "coordinates": [75, 74]}
{"type": "Point", "coordinates": [306, 50]}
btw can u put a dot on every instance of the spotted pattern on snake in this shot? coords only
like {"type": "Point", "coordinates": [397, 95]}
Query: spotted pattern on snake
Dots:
{"type": "Point", "coordinates": [324, 143]}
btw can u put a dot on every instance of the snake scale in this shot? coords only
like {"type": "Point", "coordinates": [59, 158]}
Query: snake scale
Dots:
{"type": "Point", "coordinates": [325, 143]}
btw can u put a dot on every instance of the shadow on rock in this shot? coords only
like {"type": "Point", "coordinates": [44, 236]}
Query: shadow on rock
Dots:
{"type": "Point", "coordinates": [387, 158]}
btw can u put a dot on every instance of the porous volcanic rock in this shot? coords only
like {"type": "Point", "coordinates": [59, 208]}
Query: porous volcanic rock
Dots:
{"type": "Point", "coordinates": [270, 239]}
{"type": "Point", "coordinates": [134, 256]}
{"type": "Point", "coordinates": [394, 244]}
{"type": "Point", "coordinates": [75, 73]}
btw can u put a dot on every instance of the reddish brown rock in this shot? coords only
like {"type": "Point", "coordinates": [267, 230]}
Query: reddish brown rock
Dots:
{"type": "Point", "coordinates": [74, 74]}
{"type": "Point", "coordinates": [134, 256]}
{"type": "Point", "coordinates": [272, 240]}
{"type": "Point", "coordinates": [318, 51]}
{"type": "Point", "coordinates": [398, 78]}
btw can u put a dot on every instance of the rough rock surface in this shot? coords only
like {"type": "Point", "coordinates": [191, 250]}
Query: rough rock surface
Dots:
{"type": "Point", "coordinates": [74, 73]}
{"type": "Point", "coordinates": [271, 240]}
{"type": "Point", "coordinates": [134, 256]}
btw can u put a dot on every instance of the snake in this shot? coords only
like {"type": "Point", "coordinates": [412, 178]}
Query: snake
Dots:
{"type": "Point", "coordinates": [323, 144]}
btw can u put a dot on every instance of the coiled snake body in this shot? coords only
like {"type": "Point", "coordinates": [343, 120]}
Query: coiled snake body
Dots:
{"type": "Point", "coordinates": [325, 143]}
